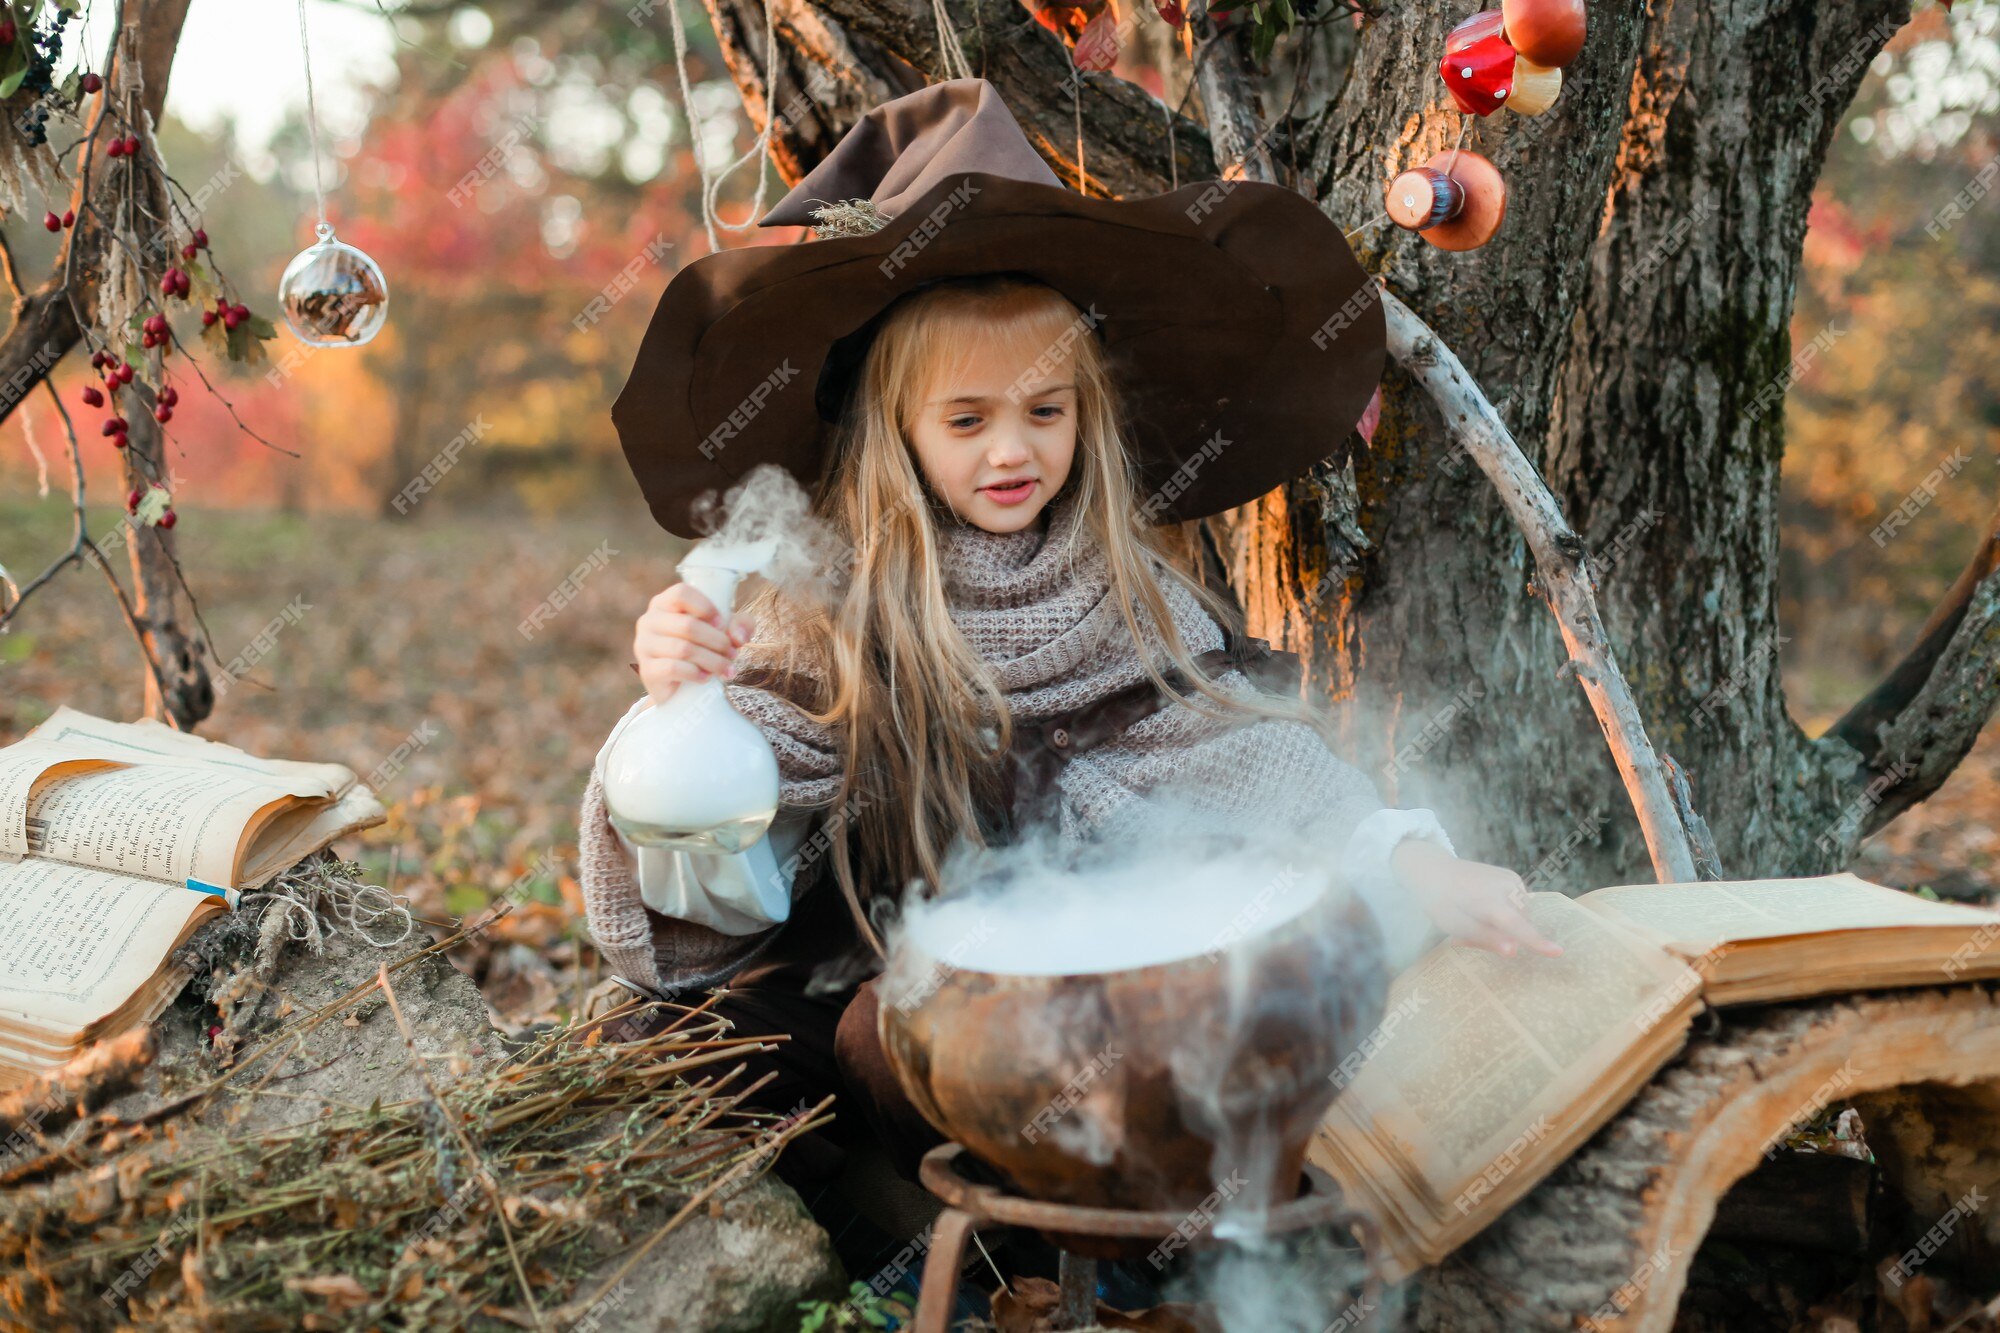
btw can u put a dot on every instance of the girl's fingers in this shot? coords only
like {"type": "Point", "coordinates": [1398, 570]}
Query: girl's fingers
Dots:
{"type": "Point", "coordinates": [659, 647]}
{"type": "Point", "coordinates": [686, 597]}
{"type": "Point", "coordinates": [1511, 922]}
{"type": "Point", "coordinates": [741, 628]}
{"type": "Point", "coordinates": [679, 626]}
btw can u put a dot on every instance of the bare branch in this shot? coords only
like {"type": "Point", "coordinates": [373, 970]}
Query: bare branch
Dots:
{"type": "Point", "coordinates": [1923, 717]}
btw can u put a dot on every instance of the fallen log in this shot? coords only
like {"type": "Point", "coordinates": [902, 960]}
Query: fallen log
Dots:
{"type": "Point", "coordinates": [1607, 1241]}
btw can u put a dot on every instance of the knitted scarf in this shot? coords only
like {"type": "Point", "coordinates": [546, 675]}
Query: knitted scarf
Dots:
{"type": "Point", "coordinates": [1037, 605]}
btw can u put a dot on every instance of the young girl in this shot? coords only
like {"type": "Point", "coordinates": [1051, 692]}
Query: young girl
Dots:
{"type": "Point", "coordinates": [1011, 647]}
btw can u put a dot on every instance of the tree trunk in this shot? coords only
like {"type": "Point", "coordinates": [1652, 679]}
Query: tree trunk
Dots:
{"type": "Point", "coordinates": [1631, 321]}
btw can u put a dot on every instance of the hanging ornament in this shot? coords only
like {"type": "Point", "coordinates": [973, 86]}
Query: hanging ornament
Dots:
{"type": "Point", "coordinates": [1097, 48]}
{"type": "Point", "coordinates": [1456, 201]}
{"type": "Point", "coordinates": [1483, 72]}
{"type": "Point", "coordinates": [1547, 32]}
{"type": "Point", "coordinates": [333, 294]}
{"type": "Point", "coordinates": [1478, 65]}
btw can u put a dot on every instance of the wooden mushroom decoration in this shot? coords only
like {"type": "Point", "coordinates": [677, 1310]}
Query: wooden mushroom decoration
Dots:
{"type": "Point", "coordinates": [1548, 32]}
{"type": "Point", "coordinates": [1483, 71]}
{"type": "Point", "coordinates": [1456, 201]}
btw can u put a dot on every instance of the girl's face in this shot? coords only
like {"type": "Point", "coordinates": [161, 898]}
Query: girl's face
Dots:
{"type": "Point", "coordinates": [995, 438]}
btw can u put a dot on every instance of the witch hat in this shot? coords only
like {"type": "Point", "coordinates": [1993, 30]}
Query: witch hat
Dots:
{"type": "Point", "coordinates": [1245, 337]}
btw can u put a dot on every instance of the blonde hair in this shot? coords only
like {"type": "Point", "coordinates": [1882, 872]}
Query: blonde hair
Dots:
{"type": "Point", "coordinates": [915, 705]}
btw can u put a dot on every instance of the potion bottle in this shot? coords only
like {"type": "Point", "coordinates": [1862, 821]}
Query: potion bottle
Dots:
{"type": "Point", "coordinates": [693, 773]}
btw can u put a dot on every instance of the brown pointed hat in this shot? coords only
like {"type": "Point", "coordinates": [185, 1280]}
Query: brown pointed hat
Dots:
{"type": "Point", "coordinates": [1245, 336]}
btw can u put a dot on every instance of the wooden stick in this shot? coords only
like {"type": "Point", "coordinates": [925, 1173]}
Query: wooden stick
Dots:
{"type": "Point", "coordinates": [1562, 573]}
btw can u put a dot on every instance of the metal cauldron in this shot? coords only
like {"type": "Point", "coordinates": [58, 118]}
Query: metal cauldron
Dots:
{"type": "Point", "coordinates": [1152, 1088]}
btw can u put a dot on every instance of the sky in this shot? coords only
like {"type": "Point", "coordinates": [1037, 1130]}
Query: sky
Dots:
{"type": "Point", "coordinates": [239, 62]}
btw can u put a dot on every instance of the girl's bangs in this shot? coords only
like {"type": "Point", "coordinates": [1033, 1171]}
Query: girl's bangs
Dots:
{"type": "Point", "coordinates": [948, 330]}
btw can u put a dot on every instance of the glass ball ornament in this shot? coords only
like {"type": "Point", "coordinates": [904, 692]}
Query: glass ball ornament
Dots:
{"type": "Point", "coordinates": [333, 294]}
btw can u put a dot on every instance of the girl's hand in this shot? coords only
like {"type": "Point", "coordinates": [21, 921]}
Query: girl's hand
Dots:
{"type": "Point", "coordinates": [681, 640]}
{"type": "Point", "coordinates": [1476, 903]}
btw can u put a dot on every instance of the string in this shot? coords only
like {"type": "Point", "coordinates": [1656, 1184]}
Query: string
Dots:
{"type": "Point", "coordinates": [1375, 221]}
{"type": "Point", "coordinates": [312, 118]}
{"type": "Point", "coordinates": [758, 150]}
{"type": "Point", "coordinates": [695, 126]}
{"type": "Point", "coordinates": [949, 51]}
{"type": "Point", "coordinates": [1076, 105]}
{"type": "Point", "coordinates": [1173, 162]}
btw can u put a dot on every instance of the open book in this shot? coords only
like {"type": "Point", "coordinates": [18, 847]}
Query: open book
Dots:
{"type": "Point", "coordinates": [1486, 1073]}
{"type": "Point", "coordinates": [116, 841]}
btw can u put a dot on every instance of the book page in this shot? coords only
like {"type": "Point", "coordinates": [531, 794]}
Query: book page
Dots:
{"type": "Point", "coordinates": [1488, 1052]}
{"type": "Point", "coordinates": [76, 943]}
{"type": "Point", "coordinates": [1697, 917]}
{"type": "Point", "coordinates": [168, 822]}
{"type": "Point", "coordinates": [149, 742]}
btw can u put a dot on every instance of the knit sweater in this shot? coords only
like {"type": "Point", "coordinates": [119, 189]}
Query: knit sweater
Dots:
{"type": "Point", "coordinates": [1036, 605]}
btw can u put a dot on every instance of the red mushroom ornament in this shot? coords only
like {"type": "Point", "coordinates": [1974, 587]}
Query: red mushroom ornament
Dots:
{"type": "Point", "coordinates": [1478, 65]}
{"type": "Point", "coordinates": [1547, 32]}
{"type": "Point", "coordinates": [1484, 72]}
{"type": "Point", "coordinates": [1456, 201]}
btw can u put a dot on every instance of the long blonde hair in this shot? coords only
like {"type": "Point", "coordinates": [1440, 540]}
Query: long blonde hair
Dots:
{"type": "Point", "coordinates": [915, 705]}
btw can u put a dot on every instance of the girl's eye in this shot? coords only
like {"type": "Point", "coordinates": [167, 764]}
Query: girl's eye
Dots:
{"type": "Point", "coordinates": [1048, 411]}
{"type": "Point", "coordinates": [962, 422]}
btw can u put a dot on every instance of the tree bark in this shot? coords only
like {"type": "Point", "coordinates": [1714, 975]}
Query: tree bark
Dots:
{"type": "Point", "coordinates": [1635, 310]}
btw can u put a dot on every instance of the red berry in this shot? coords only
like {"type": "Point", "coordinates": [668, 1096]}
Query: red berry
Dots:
{"type": "Point", "coordinates": [131, 145]}
{"type": "Point", "coordinates": [167, 521]}
{"type": "Point", "coordinates": [230, 319]}
{"type": "Point", "coordinates": [167, 282]}
{"type": "Point", "coordinates": [207, 318]}
{"type": "Point", "coordinates": [242, 311]}
{"type": "Point", "coordinates": [154, 323]}
{"type": "Point", "coordinates": [132, 500]}
{"type": "Point", "coordinates": [121, 441]}
{"type": "Point", "coordinates": [163, 414]}
{"type": "Point", "coordinates": [91, 83]}
{"type": "Point", "coordinates": [52, 222]}
{"type": "Point", "coordinates": [181, 284]}
{"type": "Point", "coordinates": [125, 372]}
{"type": "Point", "coordinates": [114, 425]}
{"type": "Point", "coordinates": [148, 342]}
{"type": "Point", "coordinates": [98, 358]}
{"type": "Point", "coordinates": [69, 217]}
{"type": "Point", "coordinates": [116, 148]}
{"type": "Point", "coordinates": [8, 32]}
{"type": "Point", "coordinates": [189, 251]}
{"type": "Point", "coordinates": [201, 238]}
{"type": "Point", "coordinates": [169, 395]}
{"type": "Point", "coordinates": [92, 396]}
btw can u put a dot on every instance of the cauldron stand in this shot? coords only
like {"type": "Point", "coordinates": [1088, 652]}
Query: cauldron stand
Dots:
{"type": "Point", "coordinates": [1083, 1235]}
